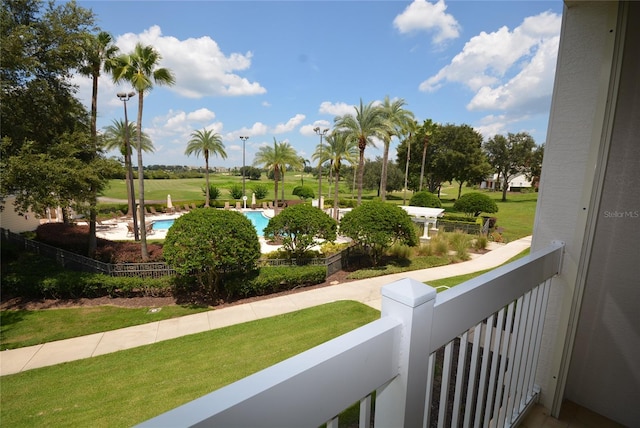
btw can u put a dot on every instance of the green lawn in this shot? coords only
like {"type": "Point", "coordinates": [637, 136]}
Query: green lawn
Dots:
{"type": "Point", "coordinates": [128, 387]}
{"type": "Point", "coordinates": [20, 328]}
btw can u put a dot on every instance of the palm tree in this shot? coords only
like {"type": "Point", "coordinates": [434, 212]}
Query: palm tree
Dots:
{"type": "Point", "coordinates": [276, 158]}
{"type": "Point", "coordinates": [398, 119]}
{"type": "Point", "coordinates": [428, 131]}
{"type": "Point", "coordinates": [140, 69]}
{"type": "Point", "coordinates": [114, 138]}
{"type": "Point", "coordinates": [340, 148]}
{"type": "Point", "coordinates": [98, 52]}
{"type": "Point", "coordinates": [303, 164]}
{"type": "Point", "coordinates": [208, 143]}
{"type": "Point", "coordinates": [367, 124]}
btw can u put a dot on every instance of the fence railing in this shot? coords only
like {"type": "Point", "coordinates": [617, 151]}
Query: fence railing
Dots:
{"type": "Point", "coordinates": [77, 262]}
{"type": "Point", "coordinates": [464, 357]}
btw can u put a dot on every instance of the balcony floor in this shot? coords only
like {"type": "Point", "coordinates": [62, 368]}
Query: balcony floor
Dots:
{"type": "Point", "coordinates": [571, 416]}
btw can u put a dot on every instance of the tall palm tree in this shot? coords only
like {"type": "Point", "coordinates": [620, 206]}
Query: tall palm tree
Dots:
{"type": "Point", "coordinates": [398, 119]}
{"type": "Point", "coordinates": [428, 126]}
{"type": "Point", "coordinates": [208, 143]}
{"type": "Point", "coordinates": [140, 68]}
{"type": "Point", "coordinates": [367, 124]}
{"type": "Point", "coordinates": [98, 52]}
{"type": "Point", "coordinates": [303, 164]}
{"type": "Point", "coordinates": [276, 158]}
{"type": "Point", "coordinates": [115, 138]}
{"type": "Point", "coordinates": [340, 148]}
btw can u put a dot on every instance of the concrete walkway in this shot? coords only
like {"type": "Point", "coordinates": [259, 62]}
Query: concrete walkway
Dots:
{"type": "Point", "coordinates": [366, 291]}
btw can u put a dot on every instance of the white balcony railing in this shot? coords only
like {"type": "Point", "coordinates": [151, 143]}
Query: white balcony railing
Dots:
{"type": "Point", "coordinates": [464, 357]}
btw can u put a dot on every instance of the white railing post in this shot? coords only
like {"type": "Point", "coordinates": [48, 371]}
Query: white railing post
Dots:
{"type": "Point", "coordinates": [401, 402]}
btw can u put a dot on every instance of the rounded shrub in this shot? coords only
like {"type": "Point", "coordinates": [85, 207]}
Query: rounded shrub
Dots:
{"type": "Point", "coordinates": [375, 226]}
{"type": "Point", "coordinates": [425, 199]}
{"type": "Point", "coordinates": [300, 227]}
{"type": "Point", "coordinates": [475, 203]}
{"type": "Point", "coordinates": [304, 192]}
{"type": "Point", "coordinates": [210, 244]}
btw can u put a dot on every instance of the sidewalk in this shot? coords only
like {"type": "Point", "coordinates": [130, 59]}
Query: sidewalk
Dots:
{"type": "Point", "coordinates": [366, 291]}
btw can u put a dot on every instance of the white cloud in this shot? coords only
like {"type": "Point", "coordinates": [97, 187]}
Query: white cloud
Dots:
{"type": "Point", "coordinates": [337, 109]}
{"type": "Point", "coordinates": [431, 17]}
{"type": "Point", "coordinates": [290, 125]}
{"type": "Point", "coordinates": [507, 69]}
{"type": "Point", "coordinates": [200, 67]}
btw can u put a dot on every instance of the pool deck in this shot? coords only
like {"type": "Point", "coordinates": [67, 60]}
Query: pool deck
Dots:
{"type": "Point", "coordinates": [116, 230]}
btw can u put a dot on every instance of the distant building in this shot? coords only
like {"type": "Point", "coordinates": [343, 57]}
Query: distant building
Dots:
{"type": "Point", "coordinates": [516, 184]}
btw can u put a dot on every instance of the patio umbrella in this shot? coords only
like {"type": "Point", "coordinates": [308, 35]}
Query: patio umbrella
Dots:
{"type": "Point", "coordinates": [253, 199]}
{"type": "Point", "coordinates": [169, 204]}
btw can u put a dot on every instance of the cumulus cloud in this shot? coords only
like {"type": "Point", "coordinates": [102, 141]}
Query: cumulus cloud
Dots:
{"type": "Point", "coordinates": [422, 15]}
{"type": "Point", "coordinates": [260, 129]}
{"type": "Point", "coordinates": [336, 109]}
{"type": "Point", "coordinates": [200, 66]}
{"type": "Point", "coordinates": [506, 69]}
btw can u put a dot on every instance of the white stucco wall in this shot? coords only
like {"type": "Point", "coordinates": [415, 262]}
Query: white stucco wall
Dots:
{"type": "Point", "coordinates": [16, 223]}
{"type": "Point", "coordinates": [570, 170]}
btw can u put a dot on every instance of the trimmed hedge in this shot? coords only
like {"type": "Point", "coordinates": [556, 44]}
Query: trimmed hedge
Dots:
{"type": "Point", "coordinates": [272, 279]}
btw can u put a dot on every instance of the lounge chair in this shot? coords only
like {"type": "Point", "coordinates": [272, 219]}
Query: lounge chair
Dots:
{"type": "Point", "coordinates": [226, 205]}
{"type": "Point", "coordinates": [149, 228]}
{"type": "Point", "coordinates": [102, 224]}
{"type": "Point", "coordinates": [238, 205]}
{"type": "Point", "coordinates": [130, 230]}
{"type": "Point", "coordinates": [153, 211]}
{"type": "Point", "coordinates": [187, 208]}
{"type": "Point", "coordinates": [271, 205]}
{"type": "Point", "coordinates": [264, 206]}
{"type": "Point", "coordinates": [193, 206]}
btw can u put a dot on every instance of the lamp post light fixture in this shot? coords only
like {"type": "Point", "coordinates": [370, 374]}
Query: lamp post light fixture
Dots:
{"type": "Point", "coordinates": [124, 97]}
{"type": "Point", "coordinates": [244, 139]}
{"type": "Point", "coordinates": [321, 133]}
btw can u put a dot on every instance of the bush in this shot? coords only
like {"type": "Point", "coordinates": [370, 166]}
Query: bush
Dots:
{"type": "Point", "coordinates": [304, 192]}
{"type": "Point", "coordinates": [375, 226]}
{"type": "Point", "coordinates": [210, 244]}
{"type": "Point", "coordinates": [261, 191]}
{"type": "Point", "coordinates": [214, 192]}
{"type": "Point", "coordinates": [272, 279]}
{"type": "Point", "coordinates": [300, 227]}
{"type": "Point", "coordinates": [425, 199]}
{"type": "Point", "coordinates": [51, 281]}
{"type": "Point", "coordinates": [235, 191]}
{"type": "Point", "coordinates": [475, 203]}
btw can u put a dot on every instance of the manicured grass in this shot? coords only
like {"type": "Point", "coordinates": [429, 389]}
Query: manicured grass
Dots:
{"type": "Point", "coordinates": [415, 263]}
{"type": "Point", "coordinates": [457, 280]}
{"type": "Point", "coordinates": [128, 387]}
{"type": "Point", "coordinates": [20, 328]}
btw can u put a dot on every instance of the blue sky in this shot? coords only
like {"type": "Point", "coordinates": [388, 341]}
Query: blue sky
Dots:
{"type": "Point", "coordinates": [277, 69]}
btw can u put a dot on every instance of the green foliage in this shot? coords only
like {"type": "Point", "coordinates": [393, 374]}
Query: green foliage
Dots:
{"type": "Point", "coordinates": [301, 227]}
{"type": "Point", "coordinates": [235, 191]}
{"type": "Point", "coordinates": [272, 279]}
{"type": "Point", "coordinates": [214, 192]}
{"type": "Point", "coordinates": [51, 281]}
{"type": "Point", "coordinates": [375, 226]}
{"type": "Point", "coordinates": [475, 203]}
{"type": "Point", "coordinates": [261, 191]}
{"type": "Point", "coordinates": [210, 244]}
{"type": "Point", "coordinates": [304, 192]}
{"type": "Point", "coordinates": [425, 199]}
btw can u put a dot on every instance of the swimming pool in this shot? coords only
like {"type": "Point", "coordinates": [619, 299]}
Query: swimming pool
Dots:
{"type": "Point", "coordinates": [257, 218]}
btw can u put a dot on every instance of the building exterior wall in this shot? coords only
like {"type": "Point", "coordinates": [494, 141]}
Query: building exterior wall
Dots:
{"type": "Point", "coordinates": [604, 373]}
{"type": "Point", "coordinates": [11, 220]}
{"type": "Point", "coordinates": [577, 186]}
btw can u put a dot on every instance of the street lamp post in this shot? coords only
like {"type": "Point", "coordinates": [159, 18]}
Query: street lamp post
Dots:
{"type": "Point", "coordinates": [124, 97]}
{"type": "Point", "coordinates": [321, 133]}
{"type": "Point", "coordinates": [244, 139]}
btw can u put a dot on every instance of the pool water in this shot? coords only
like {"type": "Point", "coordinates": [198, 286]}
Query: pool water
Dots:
{"type": "Point", "coordinates": [257, 218]}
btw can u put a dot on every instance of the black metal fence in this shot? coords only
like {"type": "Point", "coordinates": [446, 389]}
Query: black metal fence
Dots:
{"type": "Point", "coordinates": [76, 262]}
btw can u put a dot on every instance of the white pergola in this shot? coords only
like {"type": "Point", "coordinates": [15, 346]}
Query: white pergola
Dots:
{"type": "Point", "coordinates": [428, 215]}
